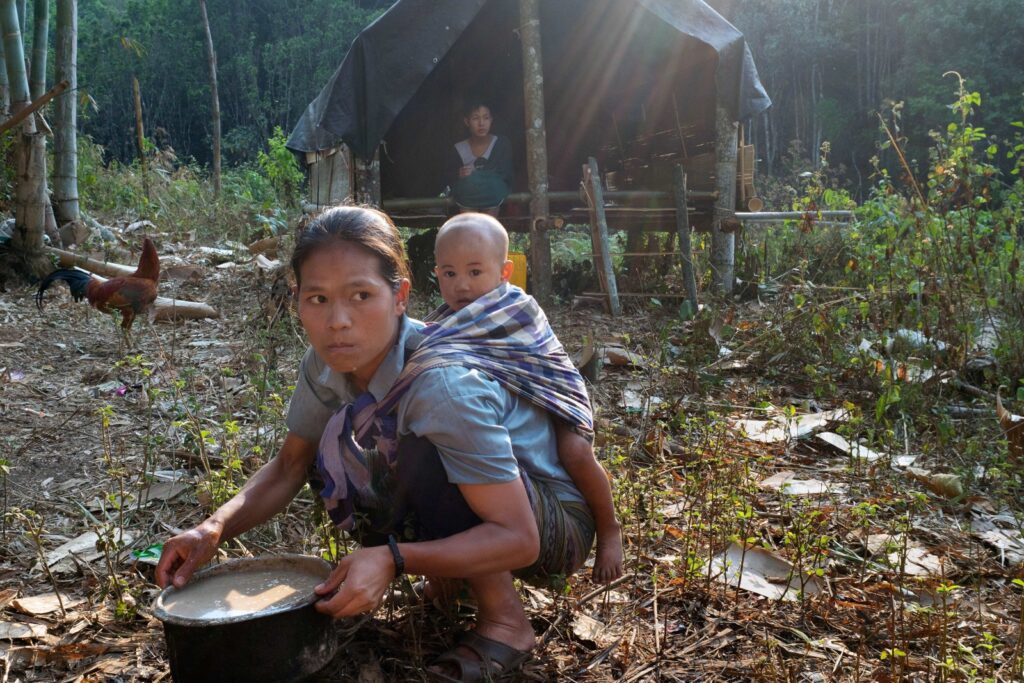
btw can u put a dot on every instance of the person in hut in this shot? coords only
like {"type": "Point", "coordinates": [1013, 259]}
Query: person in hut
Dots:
{"type": "Point", "coordinates": [481, 166]}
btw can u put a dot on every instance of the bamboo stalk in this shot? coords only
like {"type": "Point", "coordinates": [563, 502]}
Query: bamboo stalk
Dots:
{"type": "Point", "coordinates": [40, 33]}
{"type": "Point", "coordinates": [25, 112]}
{"type": "Point", "coordinates": [30, 150]}
{"type": "Point", "coordinates": [14, 53]}
{"type": "Point", "coordinates": [767, 216]}
{"type": "Point", "coordinates": [65, 141]}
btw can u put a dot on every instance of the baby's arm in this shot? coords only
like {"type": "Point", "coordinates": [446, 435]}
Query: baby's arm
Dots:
{"type": "Point", "coordinates": [577, 457]}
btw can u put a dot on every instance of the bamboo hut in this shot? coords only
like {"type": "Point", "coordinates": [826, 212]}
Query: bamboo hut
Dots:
{"type": "Point", "coordinates": [641, 85]}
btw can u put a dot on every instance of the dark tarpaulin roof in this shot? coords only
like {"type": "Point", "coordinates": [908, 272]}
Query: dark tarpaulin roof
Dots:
{"type": "Point", "coordinates": [392, 58]}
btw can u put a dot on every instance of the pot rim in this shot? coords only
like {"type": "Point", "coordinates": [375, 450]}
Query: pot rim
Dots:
{"type": "Point", "coordinates": [310, 561]}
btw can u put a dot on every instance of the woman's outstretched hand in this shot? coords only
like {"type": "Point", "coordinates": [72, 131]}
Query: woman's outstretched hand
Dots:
{"type": "Point", "coordinates": [186, 552]}
{"type": "Point", "coordinates": [360, 579]}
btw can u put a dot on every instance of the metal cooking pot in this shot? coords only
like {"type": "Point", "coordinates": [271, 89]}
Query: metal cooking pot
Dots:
{"type": "Point", "coordinates": [286, 642]}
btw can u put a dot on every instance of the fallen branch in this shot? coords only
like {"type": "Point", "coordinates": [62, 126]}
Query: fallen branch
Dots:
{"type": "Point", "coordinates": [163, 308]}
{"type": "Point", "coordinates": [69, 259]}
{"type": "Point", "coordinates": [34, 106]}
{"type": "Point", "coordinates": [973, 390]}
{"type": "Point", "coordinates": [176, 309]}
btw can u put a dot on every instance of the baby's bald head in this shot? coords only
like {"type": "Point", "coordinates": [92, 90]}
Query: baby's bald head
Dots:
{"type": "Point", "coordinates": [471, 251]}
{"type": "Point", "coordinates": [480, 228]}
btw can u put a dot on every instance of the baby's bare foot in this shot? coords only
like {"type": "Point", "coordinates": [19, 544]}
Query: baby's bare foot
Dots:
{"type": "Point", "coordinates": [608, 560]}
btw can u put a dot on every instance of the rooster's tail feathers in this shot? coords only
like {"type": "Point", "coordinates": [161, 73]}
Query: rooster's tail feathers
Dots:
{"type": "Point", "coordinates": [78, 281]}
{"type": "Point", "coordinates": [149, 262]}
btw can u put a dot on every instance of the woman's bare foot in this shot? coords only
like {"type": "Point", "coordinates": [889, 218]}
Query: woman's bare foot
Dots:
{"type": "Point", "coordinates": [500, 618]}
{"type": "Point", "coordinates": [608, 560]}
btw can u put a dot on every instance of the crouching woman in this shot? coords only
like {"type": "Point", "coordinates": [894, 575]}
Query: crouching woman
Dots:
{"type": "Point", "coordinates": [438, 469]}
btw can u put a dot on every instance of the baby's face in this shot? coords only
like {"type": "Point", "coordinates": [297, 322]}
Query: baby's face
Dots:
{"type": "Point", "coordinates": [468, 267]}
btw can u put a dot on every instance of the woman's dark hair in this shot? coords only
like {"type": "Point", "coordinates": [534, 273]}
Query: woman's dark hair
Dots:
{"type": "Point", "coordinates": [371, 229]}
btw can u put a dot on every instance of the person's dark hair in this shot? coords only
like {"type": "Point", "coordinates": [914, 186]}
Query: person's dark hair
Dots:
{"type": "Point", "coordinates": [371, 229]}
{"type": "Point", "coordinates": [473, 104]}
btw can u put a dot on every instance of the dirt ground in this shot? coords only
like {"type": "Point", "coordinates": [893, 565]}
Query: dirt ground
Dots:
{"type": "Point", "coordinates": [859, 568]}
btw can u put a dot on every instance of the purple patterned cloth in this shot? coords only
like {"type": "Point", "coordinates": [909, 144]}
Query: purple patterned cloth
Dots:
{"type": "Point", "coordinates": [503, 334]}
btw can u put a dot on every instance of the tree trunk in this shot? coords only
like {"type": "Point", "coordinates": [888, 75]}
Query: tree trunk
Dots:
{"type": "Point", "coordinates": [40, 37]}
{"type": "Point", "coordinates": [65, 140]}
{"type": "Point", "coordinates": [211, 59]}
{"type": "Point", "coordinates": [536, 148]}
{"type": "Point", "coordinates": [30, 151]}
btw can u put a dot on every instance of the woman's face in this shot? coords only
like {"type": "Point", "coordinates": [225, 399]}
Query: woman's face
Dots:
{"type": "Point", "coordinates": [349, 311]}
{"type": "Point", "coordinates": [479, 122]}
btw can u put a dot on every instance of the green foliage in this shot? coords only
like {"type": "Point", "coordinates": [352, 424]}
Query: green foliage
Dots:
{"type": "Point", "coordinates": [272, 60]}
{"type": "Point", "coordinates": [939, 258]}
{"type": "Point", "coordinates": [829, 66]}
{"type": "Point", "coordinates": [281, 167]}
{"type": "Point", "coordinates": [570, 249]}
{"type": "Point", "coordinates": [248, 206]}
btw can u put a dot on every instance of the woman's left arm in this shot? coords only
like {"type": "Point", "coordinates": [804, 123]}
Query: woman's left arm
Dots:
{"type": "Point", "coordinates": [506, 539]}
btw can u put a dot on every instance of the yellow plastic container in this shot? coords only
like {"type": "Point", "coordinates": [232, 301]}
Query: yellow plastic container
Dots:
{"type": "Point", "coordinates": [519, 270]}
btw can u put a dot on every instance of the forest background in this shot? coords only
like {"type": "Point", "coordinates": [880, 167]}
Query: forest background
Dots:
{"type": "Point", "coordinates": [828, 66]}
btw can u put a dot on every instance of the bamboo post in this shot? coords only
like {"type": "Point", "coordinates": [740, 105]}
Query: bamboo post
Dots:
{"type": "Point", "coordinates": [595, 239]}
{"type": "Point", "coordinates": [601, 225]}
{"type": "Point", "coordinates": [779, 216]}
{"type": "Point", "coordinates": [367, 180]}
{"type": "Point", "coordinates": [723, 239]}
{"type": "Point", "coordinates": [683, 229]}
{"type": "Point", "coordinates": [140, 134]}
{"type": "Point", "coordinates": [536, 148]}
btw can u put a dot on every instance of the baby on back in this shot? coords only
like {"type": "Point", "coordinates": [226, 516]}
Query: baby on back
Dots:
{"type": "Point", "coordinates": [471, 253]}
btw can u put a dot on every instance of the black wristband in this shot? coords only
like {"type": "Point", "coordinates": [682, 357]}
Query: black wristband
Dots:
{"type": "Point", "coordinates": [399, 560]}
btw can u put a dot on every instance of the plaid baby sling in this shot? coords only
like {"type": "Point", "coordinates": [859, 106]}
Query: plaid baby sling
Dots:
{"type": "Point", "coordinates": [505, 335]}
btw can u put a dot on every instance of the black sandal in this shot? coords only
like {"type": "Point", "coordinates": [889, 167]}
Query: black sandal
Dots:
{"type": "Point", "coordinates": [496, 660]}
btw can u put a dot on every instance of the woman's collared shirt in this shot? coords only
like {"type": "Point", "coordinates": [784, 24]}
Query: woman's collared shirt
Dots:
{"type": "Point", "coordinates": [483, 433]}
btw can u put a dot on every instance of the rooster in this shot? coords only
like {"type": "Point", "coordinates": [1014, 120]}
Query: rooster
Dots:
{"type": "Point", "coordinates": [128, 295]}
